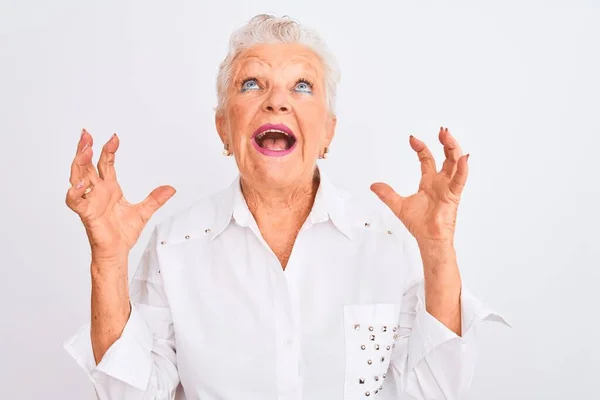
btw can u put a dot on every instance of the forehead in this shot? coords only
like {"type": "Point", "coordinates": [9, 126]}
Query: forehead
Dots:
{"type": "Point", "coordinates": [279, 56]}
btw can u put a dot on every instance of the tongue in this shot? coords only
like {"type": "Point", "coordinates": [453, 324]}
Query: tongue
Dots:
{"type": "Point", "coordinates": [274, 144]}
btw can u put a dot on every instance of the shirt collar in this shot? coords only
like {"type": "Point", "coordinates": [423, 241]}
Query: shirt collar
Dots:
{"type": "Point", "coordinates": [329, 205]}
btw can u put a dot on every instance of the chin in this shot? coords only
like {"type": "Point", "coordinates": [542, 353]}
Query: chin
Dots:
{"type": "Point", "coordinates": [273, 177]}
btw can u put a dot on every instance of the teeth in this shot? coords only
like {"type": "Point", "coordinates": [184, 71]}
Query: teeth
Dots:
{"type": "Point", "coordinates": [260, 135]}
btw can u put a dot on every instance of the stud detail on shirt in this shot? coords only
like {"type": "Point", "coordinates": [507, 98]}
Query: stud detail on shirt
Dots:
{"type": "Point", "coordinates": [363, 347]}
{"type": "Point", "coordinates": [376, 347]}
{"type": "Point", "coordinates": [389, 232]}
{"type": "Point", "coordinates": [163, 242]}
{"type": "Point", "coordinates": [372, 338]}
{"type": "Point", "coordinates": [384, 328]}
{"type": "Point", "coordinates": [187, 236]}
{"type": "Point", "coordinates": [367, 394]}
{"type": "Point", "coordinates": [367, 225]}
{"type": "Point", "coordinates": [371, 328]}
{"type": "Point", "coordinates": [361, 381]}
{"type": "Point", "coordinates": [357, 327]}
{"type": "Point", "coordinates": [376, 379]}
{"type": "Point", "coordinates": [207, 230]}
{"type": "Point", "coordinates": [369, 362]}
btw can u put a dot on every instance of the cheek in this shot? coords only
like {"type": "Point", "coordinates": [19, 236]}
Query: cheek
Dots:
{"type": "Point", "coordinates": [313, 123]}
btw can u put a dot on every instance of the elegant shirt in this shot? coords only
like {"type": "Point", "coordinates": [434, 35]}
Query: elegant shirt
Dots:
{"type": "Point", "coordinates": [214, 316]}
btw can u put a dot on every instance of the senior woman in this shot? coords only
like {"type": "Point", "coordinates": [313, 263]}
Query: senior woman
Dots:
{"type": "Point", "coordinates": [281, 286]}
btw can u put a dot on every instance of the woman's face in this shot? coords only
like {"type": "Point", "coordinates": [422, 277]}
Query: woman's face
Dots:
{"type": "Point", "coordinates": [276, 120]}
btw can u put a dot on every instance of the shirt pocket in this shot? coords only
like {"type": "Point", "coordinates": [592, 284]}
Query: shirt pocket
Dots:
{"type": "Point", "coordinates": [370, 331]}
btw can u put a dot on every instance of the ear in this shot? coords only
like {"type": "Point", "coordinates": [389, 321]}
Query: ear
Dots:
{"type": "Point", "coordinates": [220, 124]}
{"type": "Point", "coordinates": [330, 129]}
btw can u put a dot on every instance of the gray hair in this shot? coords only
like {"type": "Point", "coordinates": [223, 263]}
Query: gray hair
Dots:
{"type": "Point", "coordinates": [264, 29]}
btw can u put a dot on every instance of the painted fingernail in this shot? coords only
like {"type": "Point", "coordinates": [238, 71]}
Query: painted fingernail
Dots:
{"type": "Point", "coordinates": [80, 184]}
{"type": "Point", "coordinates": [468, 155]}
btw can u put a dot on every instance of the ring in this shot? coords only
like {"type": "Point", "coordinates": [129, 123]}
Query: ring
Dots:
{"type": "Point", "coordinates": [87, 190]}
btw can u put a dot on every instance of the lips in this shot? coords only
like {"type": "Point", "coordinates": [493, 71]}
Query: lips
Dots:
{"type": "Point", "coordinates": [275, 140]}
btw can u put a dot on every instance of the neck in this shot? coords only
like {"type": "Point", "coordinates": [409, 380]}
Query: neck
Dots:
{"type": "Point", "coordinates": [282, 208]}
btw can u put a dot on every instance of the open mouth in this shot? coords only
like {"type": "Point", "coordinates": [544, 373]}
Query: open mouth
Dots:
{"type": "Point", "coordinates": [274, 140]}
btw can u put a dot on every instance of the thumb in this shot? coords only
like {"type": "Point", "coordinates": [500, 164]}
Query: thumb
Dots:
{"type": "Point", "coordinates": [155, 200]}
{"type": "Point", "coordinates": [386, 194]}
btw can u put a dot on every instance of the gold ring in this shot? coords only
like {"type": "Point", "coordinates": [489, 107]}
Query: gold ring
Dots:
{"type": "Point", "coordinates": [87, 190]}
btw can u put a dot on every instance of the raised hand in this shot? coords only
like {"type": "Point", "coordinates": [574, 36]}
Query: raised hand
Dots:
{"type": "Point", "coordinates": [430, 214]}
{"type": "Point", "coordinates": [113, 225]}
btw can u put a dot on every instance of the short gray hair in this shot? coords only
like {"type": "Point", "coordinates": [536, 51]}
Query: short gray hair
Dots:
{"type": "Point", "coordinates": [265, 29]}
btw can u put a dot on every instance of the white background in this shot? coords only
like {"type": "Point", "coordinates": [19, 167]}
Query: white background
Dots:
{"type": "Point", "coordinates": [516, 82]}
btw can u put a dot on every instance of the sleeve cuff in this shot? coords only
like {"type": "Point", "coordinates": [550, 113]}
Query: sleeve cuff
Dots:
{"type": "Point", "coordinates": [129, 358]}
{"type": "Point", "coordinates": [429, 333]}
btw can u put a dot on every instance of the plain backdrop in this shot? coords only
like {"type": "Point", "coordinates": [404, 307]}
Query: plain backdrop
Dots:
{"type": "Point", "coordinates": [516, 82]}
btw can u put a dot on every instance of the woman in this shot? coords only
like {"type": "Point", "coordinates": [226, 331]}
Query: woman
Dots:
{"type": "Point", "coordinates": [281, 286]}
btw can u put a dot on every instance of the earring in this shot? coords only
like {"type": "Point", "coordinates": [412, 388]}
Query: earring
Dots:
{"type": "Point", "coordinates": [325, 151]}
{"type": "Point", "coordinates": [226, 150]}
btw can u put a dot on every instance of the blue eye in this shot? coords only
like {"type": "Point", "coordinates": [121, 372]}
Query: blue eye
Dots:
{"type": "Point", "coordinates": [250, 84]}
{"type": "Point", "coordinates": [303, 87]}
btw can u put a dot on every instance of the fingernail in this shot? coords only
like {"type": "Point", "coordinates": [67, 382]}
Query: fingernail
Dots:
{"type": "Point", "coordinates": [468, 155]}
{"type": "Point", "coordinates": [82, 133]}
{"type": "Point", "coordinates": [80, 184]}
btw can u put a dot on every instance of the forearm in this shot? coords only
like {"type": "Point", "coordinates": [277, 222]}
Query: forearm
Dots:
{"type": "Point", "coordinates": [442, 283]}
{"type": "Point", "coordinates": [110, 307]}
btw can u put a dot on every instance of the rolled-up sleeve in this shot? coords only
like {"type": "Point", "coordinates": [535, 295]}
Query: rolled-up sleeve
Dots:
{"type": "Point", "coordinates": [141, 363]}
{"type": "Point", "coordinates": [429, 360]}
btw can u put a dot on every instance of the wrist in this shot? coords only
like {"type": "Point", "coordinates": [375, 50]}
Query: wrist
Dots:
{"type": "Point", "coordinates": [111, 268]}
{"type": "Point", "coordinates": [437, 250]}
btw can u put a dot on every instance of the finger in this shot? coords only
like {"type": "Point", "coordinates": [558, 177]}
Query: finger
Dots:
{"type": "Point", "coordinates": [155, 200]}
{"type": "Point", "coordinates": [73, 199]}
{"type": "Point", "coordinates": [452, 151]}
{"type": "Point", "coordinates": [82, 167]}
{"type": "Point", "coordinates": [106, 164]}
{"type": "Point", "coordinates": [458, 181]}
{"type": "Point", "coordinates": [389, 196]}
{"type": "Point", "coordinates": [428, 167]}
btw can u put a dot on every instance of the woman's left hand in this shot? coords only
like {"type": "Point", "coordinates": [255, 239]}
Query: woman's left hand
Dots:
{"type": "Point", "coordinates": [430, 214]}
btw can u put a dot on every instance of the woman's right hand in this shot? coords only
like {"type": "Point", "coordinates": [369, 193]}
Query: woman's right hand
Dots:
{"type": "Point", "coordinates": [113, 225]}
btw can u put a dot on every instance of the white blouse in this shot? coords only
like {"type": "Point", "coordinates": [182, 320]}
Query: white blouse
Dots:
{"type": "Point", "coordinates": [215, 317]}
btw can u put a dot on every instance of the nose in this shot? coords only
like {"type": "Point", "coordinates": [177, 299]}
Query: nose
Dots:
{"type": "Point", "coordinates": [277, 102]}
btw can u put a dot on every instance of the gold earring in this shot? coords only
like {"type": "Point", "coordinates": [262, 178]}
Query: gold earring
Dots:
{"type": "Point", "coordinates": [226, 150]}
{"type": "Point", "coordinates": [325, 151]}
